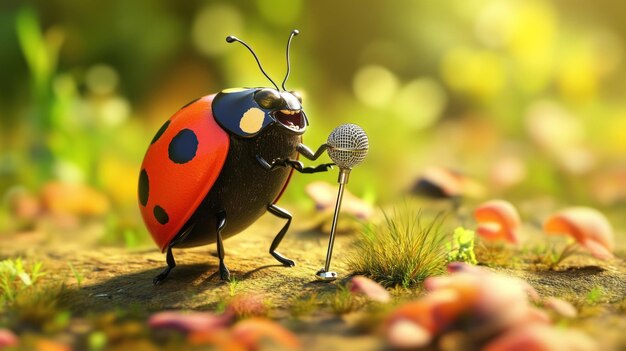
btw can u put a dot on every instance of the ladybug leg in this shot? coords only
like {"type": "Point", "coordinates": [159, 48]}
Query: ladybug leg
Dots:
{"type": "Point", "coordinates": [308, 153]}
{"type": "Point", "coordinates": [298, 166]}
{"type": "Point", "coordinates": [171, 263]}
{"type": "Point", "coordinates": [221, 223]}
{"type": "Point", "coordinates": [295, 164]}
{"type": "Point", "coordinates": [279, 212]}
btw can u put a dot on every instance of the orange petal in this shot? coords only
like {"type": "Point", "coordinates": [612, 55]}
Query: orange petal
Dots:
{"type": "Point", "coordinates": [62, 198]}
{"type": "Point", "coordinates": [50, 345]}
{"type": "Point", "coordinates": [434, 312]}
{"type": "Point", "coordinates": [252, 332]}
{"type": "Point", "coordinates": [7, 339]}
{"type": "Point", "coordinates": [561, 307]}
{"type": "Point", "coordinates": [492, 231]}
{"type": "Point", "coordinates": [406, 334]}
{"type": "Point", "coordinates": [220, 339]}
{"type": "Point", "coordinates": [418, 312]}
{"type": "Point", "coordinates": [369, 288]}
{"type": "Point", "coordinates": [541, 338]}
{"type": "Point", "coordinates": [498, 219]}
{"type": "Point", "coordinates": [588, 226]}
{"type": "Point", "coordinates": [189, 322]}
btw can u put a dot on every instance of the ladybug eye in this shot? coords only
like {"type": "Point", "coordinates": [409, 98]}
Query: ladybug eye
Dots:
{"type": "Point", "coordinates": [267, 98]}
{"type": "Point", "coordinates": [297, 95]}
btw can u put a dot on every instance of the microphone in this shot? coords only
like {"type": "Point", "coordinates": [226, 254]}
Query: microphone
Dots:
{"type": "Point", "coordinates": [347, 147]}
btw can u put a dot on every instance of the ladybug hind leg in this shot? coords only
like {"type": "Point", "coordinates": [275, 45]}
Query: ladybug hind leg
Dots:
{"type": "Point", "coordinates": [279, 212]}
{"type": "Point", "coordinates": [220, 225]}
{"type": "Point", "coordinates": [171, 263]}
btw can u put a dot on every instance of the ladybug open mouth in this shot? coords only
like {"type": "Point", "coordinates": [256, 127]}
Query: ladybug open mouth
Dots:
{"type": "Point", "coordinates": [292, 119]}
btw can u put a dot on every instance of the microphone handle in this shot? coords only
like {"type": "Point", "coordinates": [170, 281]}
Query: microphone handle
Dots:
{"type": "Point", "coordinates": [343, 179]}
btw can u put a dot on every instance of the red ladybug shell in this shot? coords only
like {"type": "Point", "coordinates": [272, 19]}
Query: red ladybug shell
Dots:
{"type": "Point", "coordinates": [180, 167]}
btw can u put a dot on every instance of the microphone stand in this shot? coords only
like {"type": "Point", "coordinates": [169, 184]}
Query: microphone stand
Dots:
{"type": "Point", "coordinates": [324, 273]}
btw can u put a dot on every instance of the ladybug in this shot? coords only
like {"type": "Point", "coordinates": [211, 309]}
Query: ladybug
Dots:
{"type": "Point", "coordinates": [219, 163]}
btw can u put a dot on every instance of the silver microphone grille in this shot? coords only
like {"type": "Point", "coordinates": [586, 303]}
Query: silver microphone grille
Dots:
{"type": "Point", "coordinates": [348, 145]}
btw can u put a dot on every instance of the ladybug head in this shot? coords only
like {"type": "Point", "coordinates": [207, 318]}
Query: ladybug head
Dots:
{"type": "Point", "coordinates": [284, 107]}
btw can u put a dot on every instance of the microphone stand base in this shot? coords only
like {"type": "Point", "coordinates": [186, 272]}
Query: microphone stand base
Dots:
{"type": "Point", "coordinates": [326, 276]}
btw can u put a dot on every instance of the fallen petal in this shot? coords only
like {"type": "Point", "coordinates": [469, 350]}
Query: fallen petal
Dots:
{"type": "Point", "coordinates": [434, 312]}
{"type": "Point", "coordinates": [322, 194]}
{"type": "Point", "coordinates": [325, 196]}
{"type": "Point", "coordinates": [252, 332]}
{"type": "Point", "coordinates": [51, 345]}
{"type": "Point", "coordinates": [457, 267]}
{"type": "Point", "coordinates": [418, 312]}
{"type": "Point", "coordinates": [7, 338]}
{"type": "Point", "coordinates": [61, 198]}
{"type": "Point", "coordinates": [588, 226]}
{"type": "Point", "coordinates": [369, 288]}
{"type": "Point", "coordinates": [507, 172]}
{"type": "Point", "coordinates": [189, 322]}
{"type": "Point", "coordinates": [219, 339]}
{"type": "Point", "coordinates": [406, 334]}
{"type": "Point", "coordinates": [498, 219]}
{"type": "Point", "coordinates": [541, 338]}
{"type": "Point", "coordinates": [561, 307]}
{"type": "Point", "coordinates": [597, 250]}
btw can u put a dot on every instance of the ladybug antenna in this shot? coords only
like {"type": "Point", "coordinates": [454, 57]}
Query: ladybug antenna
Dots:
{"type": "Point", "coordinates": [232, 38]}
{"type": "Point", "coordinates": [293, 33]}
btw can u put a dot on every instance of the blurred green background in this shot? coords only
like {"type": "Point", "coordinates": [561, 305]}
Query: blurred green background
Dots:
{"type": "Point", "coordinates": [525, 97]}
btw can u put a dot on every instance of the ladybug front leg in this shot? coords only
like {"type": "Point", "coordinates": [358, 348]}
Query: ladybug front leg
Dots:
{"type": "Point", "coordinates": [308, 153]}
{"type": "Point", "coordinates": [295, 164]}
{"type": "Point", "coordinates": [171, 263]}
{"type": "Point", "coordinates": [279, 212]}
{"type": "Point", "coordinates": [220, 225]}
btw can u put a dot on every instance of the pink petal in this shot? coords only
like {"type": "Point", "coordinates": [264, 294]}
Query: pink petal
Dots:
{"type": "Point", "coordinates": [439, 181]}
{"type": "Point", "coordinates": [252, 332]}
{"type": "Point", "coordinates": [507, 171]}
{"type": "Point", "coordinates": [189, 322]}
{"type": "Point", "coordinates": [498, 219]}
{"type": "Point", "coordinates": [457, 267]}
{"type": "Point", "coordinates": [588, 226]}
{"type": "Point", "coordinates": [7, 338]}
{"type": "Point", "coordinates": [561, 307]}
{"type": "Point", "coordinates": [405, 334]}
{"type": "Point", "coordinates": [597, 250]}
{"type": "Point", "coordinates": [369, 288]}
{"type": "Point", "coordinates": [322, 194]}
{"type": "Point", "coordinates": [325, 196]}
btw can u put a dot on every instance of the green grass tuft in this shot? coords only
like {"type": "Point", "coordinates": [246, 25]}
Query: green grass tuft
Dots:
{"type": "Point", "coordinates": [404, 250]}
{"type": "Point", "coordinates": [342, 301]}
{"type": "Point", "coordinates": [302, 306]}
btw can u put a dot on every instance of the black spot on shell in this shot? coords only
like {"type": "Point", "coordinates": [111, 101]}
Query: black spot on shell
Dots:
{"type": "Point", "coordinates": [160, 132]}
{"type": "Point", "coordinates": [183, 146]}
{"type": "Point", "coordinates": [144, 187]}
{"type": "Point", "coordinates": [160, 215]}
{"type": "Point", "coordinates": [189, 103]}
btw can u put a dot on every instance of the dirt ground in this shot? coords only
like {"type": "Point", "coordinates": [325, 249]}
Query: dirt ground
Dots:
{"type": "Point", "coordinates": [119, 278]}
